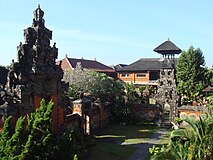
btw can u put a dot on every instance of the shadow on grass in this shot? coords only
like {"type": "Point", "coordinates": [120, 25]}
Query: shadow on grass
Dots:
{"type": "Point", "coordinates": [120, 141]}
{"type": "Point", "coordinates": [121, 133]}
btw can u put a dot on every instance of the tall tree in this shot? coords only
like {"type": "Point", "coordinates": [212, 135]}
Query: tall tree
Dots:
{"type": "Point", "coordinates": [191, 73]}
{"type": "Point", "coordinates": [33, 140]}
{"type": "Point", "coordinates": [14, 145]}
{"type": "Point", "coordinates": [39, 143]}
{"type": "Point", "coordinates": [5, 136]}
{"type": "Point", "coordinates": [210, 76]}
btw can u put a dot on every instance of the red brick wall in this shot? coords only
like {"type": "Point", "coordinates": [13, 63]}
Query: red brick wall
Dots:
{"type": "Point", "coordinates": [65, 65]}
{"type": "Point", "coordinates": [190, 113]}
{"type": "Point", "coordinates": [57, 113]}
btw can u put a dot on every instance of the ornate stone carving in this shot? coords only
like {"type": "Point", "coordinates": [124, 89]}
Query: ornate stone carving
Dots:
{"type": "Point", "coordinates": [36, 72]}
{"type": "Point", "coordinates": [166, 93]}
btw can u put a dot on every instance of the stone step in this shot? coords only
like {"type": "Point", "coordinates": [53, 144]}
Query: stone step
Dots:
{"type": "Point", "coordinates": [166, 124]}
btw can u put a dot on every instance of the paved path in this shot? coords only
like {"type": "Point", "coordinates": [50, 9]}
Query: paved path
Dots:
{"type": "Point", "coordinates": [143, 149]}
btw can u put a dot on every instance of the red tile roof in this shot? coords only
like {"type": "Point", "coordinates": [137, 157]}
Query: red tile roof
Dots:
{"type": "Point", "coordinates": [90, 64]}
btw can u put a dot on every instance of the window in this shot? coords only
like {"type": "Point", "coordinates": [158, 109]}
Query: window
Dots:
{"type": "Point", "coordinates": [141, 75]}
{"type": "Point", "coordinates": [124, 75]}
{"type": "Point", "coordinates": [154, 75]}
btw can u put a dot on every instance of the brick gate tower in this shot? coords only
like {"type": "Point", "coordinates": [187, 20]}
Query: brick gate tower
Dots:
{"type": "Point", "coordinates": [166, 94]}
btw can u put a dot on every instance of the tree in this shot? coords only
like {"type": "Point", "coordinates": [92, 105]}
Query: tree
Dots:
{"type": "Point", "coordinates": [33, 140]}
{"type": "Point", "coordinates": [80, 81]}
{"type": "Point", "coordinates": [131, 92]}
{"type": "Point", "coordinates": [39, 143]}
{"type": "Point", "coordinates": [5, 136]}
{"type": "Point", "coordinates": [210, 76]}
{"type": "Point", "coordinates": [191, 73]}
{"type": "Point", "coordinates": [99, 85]}
{"type": "Point", "coordinates": [14, 145]}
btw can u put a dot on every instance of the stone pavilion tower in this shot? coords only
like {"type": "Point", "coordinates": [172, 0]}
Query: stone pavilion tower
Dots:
{"type": "Point", "coordinates": [35, 75]}
{"type": "Point", "coordinates": [166, 93]}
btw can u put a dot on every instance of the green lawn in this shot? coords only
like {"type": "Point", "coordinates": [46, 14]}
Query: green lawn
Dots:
{"type": "Point", "coordinates": [164, 141]}
{"type": "Point", "coordinates": [108, 141]}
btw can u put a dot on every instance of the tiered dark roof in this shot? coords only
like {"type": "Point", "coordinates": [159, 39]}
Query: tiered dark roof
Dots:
{"type": "Point", "coordinates": [90, 64]}
{"type": "Point", "coordinates": [144, 64]}
{"type": "Point", "coordinates": [167, 48]}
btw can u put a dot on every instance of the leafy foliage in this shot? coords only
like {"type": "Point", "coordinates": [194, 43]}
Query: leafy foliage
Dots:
{"type": "Point", "coordinates": [106, 88]}
{"type": "Point", "coordinates": [93, 83]}
{"type": "Point", "coordinates": [72, 145]}
{"type": "Point", "coordinates": [210, 76]}
{"type": "Point", "coordinates": [121, 96]}
{"type": "Point", "coordinates": [131, 92]}
{"type": "Point", "coordinates": [195, 142]}
{"type": "Point", "coordinates": [33, 140]}
{"type": "Point", "coordinates": [5, 136]}
{"type": "Point", "coordinates": [191, 73]}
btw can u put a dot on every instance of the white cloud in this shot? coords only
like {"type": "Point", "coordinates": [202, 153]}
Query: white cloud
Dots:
{"type": "Point", "coordinates": [87, 36]}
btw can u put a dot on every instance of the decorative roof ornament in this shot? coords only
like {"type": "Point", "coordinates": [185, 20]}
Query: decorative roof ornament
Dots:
{"type": "Point", "coordinates": [38, 17]}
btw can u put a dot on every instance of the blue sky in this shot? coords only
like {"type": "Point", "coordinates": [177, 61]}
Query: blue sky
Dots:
{"type": "Point", "coordinates": [112, 31]}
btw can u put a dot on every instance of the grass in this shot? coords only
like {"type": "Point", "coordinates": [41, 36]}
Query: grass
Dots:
{"type": "Point", "coordinates": [108, 141]}
{"type": "Point", "coordinates": [110, 151]}
{"type": "Point", "coordinates": [164, 141]}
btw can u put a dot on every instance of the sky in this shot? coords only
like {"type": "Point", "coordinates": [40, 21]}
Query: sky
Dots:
{"type": "Point", "coordinates": [110, 31]}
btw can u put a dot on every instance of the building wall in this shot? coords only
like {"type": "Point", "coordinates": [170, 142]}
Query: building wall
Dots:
{"type": "Point", "coordinates": [92, 118]}
{"type": "Point", "coordinates": [190, 113]}
{"type": "Point", "coordinates": [57, 113]}
{"type": "Point", "coordinates": [65, 64]}
{"type": "Point", "coordinates": [142, 77]}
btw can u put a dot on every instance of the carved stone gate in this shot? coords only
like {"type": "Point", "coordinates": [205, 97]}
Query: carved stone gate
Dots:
{"type": "Point", "coordinates": [166, 94]}
{"type": "Point", "coordinates": [35, 75]}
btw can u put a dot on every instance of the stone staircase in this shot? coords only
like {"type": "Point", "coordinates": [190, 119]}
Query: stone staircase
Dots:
{"type": "Point", "coordinates": [166, 121]}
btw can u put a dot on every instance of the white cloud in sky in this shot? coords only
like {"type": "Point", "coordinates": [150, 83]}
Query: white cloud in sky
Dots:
{"type": "Point", "coordinates": [98, 37]}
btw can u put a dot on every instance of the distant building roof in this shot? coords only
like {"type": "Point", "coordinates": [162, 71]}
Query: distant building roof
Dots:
{"type": "Point", "coordinates": [119, 66]}
{"type": "Point", "coordinates": [3, 75]}
{"type": "Point", "coordinates": [144, 64]}
{"type": "Point", "coordinates": [90, 64]}
{"type": "Point", "coordinates": [167, 47]}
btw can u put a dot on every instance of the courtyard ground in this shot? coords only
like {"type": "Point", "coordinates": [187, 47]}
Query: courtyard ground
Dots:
{"type": "Point", "coordinates": [125, 142]}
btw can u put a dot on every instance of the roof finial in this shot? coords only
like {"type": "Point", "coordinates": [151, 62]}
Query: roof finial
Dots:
{"type": "Point", "coordinates": [38, 15]}
{"type": "Point", "coordinates": [168, 39]}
